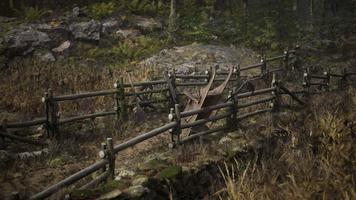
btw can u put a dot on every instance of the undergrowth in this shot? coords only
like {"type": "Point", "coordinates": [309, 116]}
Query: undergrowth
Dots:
{"type": "Point", "coordinates": [316, 161]}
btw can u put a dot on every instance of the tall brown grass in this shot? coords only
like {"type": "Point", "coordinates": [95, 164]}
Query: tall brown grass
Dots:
{"type": "Point", "coordinates": [317, 161]}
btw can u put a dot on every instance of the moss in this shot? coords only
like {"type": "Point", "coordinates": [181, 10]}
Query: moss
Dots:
{"type": "Point", "coordinates": [111, 185]}
{"type": "Point", "coordinates": [83, 194]}
{"type": "Point", "coordinates": [170, 172]}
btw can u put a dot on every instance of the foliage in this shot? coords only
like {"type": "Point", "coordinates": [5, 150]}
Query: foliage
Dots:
{"type": "Point", "coordinates": [100, 10]}
{"type": "Point", "coordinates": [128, 50]}
{"type": "Point", "coordinates": [146, 7]}
{"type": "Point", "coordinates": [29, 13]}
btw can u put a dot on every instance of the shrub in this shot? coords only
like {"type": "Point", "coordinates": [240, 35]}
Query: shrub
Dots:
{"type": "Point", "coordinates": [100, 10]}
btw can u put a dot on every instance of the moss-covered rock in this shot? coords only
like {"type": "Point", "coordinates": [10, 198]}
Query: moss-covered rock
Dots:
{"type": "Point", "coordinates": [171, 172]}
{"type": "Point", "coordinates": [83, 194]}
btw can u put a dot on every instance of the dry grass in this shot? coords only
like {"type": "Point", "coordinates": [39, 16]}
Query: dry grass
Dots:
{"type": "Point", "coordinates": [317, 161]}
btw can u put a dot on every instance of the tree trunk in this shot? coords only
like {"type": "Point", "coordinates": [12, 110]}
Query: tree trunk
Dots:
{"type": "Point", "coordinates": [172, 26]}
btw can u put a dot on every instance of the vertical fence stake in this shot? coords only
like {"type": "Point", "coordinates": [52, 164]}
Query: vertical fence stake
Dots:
{"type": "Point", "coordinates": [173, 94]}
{"type": "Point", "coordinates": [52, 115]}
{"type": "Point", "coordinates": [3, 128]}
{"type": "Point", "coordinates": [286, 64]}
{"type": "Point", "coordinates": [306, 83]}
{"type": "Point", "coordinates": [327, 80]}
{"type": "Point", "coordinates": [172, 117]}
{"type": "Point", "coordinates": [103, 150]}
{"type": "Point", "coordinates": [15, 196]}
{"type": "Point", "coordinates": [264, 70]}
{"type": "Point", "coordinates": [178, 120]}
{"type": "Point", "coordinates": [46, 108]}
{"type": "Point", "coordinates": [276, 102]}
{"type": "Point", "coordinates": [231, 120]}
{"type": "Point", "coordinates": [111, 158]}
{"type": "Point", "coordinates": [122, 102]}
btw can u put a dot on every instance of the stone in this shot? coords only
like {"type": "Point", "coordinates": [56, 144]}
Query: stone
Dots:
{"type": "Point", "coordinates": [135, 191]}
{"type": "Point", "coordinates": [46, 57]}
{"type": "Point", "coordinates": [142, 180]}
{"type": "Point", "coordinates": [145, 24]}
{"type": "Point", "coordinates": [201, 57]}
{"type": "Point", "coordinates": [89, 31]}
{"type": "Point", "coordinates": [225, 141]}
{"type": "Point", "coordinates": [110, 26]}
{"type": "Point", "coordinates": [111, 195]}
{"type": "Point", "coordinates": [183, 69]}
{"type": "Point", "coordinates": [64, 46]}
{"type": "Point", "coordinates": [25, 41]}
{"type": "Point", "coordinates": [128, 33]}
{"type": "Point", "coordinates": [124, 173]}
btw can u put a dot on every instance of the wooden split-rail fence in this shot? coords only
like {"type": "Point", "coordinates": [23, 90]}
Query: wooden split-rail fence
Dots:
{"type": "Point", "coordinates": [231, 115]}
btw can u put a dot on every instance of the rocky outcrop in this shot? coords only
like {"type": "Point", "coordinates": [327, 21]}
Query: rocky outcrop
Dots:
{"type": "Point", "coordinates": [199, 57]}
{"type": "Point", "coordinates": [23, 42]}
{"type": "Point", "coordinates": [88, 31]}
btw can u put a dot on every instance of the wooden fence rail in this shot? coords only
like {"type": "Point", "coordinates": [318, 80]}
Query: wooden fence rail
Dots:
{"type": "Point", "coordinates": [175, 126]}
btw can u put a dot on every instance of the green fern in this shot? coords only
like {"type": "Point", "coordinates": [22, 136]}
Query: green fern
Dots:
{"type": "Point", "coordinates": [100, 10]}
{"type": "Point", "coordinates": [29, 13]}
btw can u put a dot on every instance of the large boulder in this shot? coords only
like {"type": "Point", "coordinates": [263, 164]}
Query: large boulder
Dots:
{"type": "Point", "coordinates": [89, 31]}
{"type": "Point", "coordinates": [200, 57]}
{"type": "Point", "coordinates": [25, 41]}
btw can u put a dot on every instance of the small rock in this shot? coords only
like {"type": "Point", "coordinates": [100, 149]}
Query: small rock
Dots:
{"type": "Point", "coordinates": [6, 19]}
{"type": "Point", "coordinates": [111, 195]}
{"type": "Point", "coordinates": [64, 46]}
{"type": "Point", "coordinates": [77, 12]}
{"type": "Point", "coordinates": [182, 70]}
{"type": "Point", "coordinates": [126, 173]}
{"type": "Point", "coordinates": [109, 26]}
{"type": "Point", "coordinates": [128, 33]}
{"type": "Point", "coordinates": [146, 24]}
{"type": "Point", "coordinates": [234, 135]}
{"type": "Point", "coordinates": [86, 30]}
{"type": "Point", "coordinates": [46, 57]}
{"type": "Point", "coordinates": [135, 191]}
{"type": "Point", "coordinates": [225, 141]}
{"type": "Point", "coordinates": [140, 181]}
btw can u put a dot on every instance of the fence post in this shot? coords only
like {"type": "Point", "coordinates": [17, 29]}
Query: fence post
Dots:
{"type": "Point", "coordinates": [306, 82]}
{"type": "Point", "coordinates": [237, 75]}
{"type": "Point", "coordinates": [174, 115]}
{"type": "Point", "coordinates": [52, 117]}
{"type": "Point", "coordinates": [103, 152]}
{"type": "Point", "coordinates": [231, 120]}
{"type": "Point", "coordinates": [111, 158]}
{"type": "Point", "coordinates": [286, 64]}
{"type": "Point", "coordinates": [3, 128]}
{"type": "Point", "coordinates": [275, 93]}
{"type": "Point", "coordinates": [15, 196]}
{"type": "Point", "coordinates": [121, 100]}
{"type": "Point", "coordinates": [327, 80]}
{"type": "Point", "coordinates": [46, 108]}
{"type": "Point", "coordinates": [264, 70]}
{"type": "Point", "coordinates": [170, 79]}
{"type": "Point", "coordinates": [343, 80]}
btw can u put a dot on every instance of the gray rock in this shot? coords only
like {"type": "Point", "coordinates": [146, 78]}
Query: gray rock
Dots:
{"type": "Point", "coordinates": [111, 195]}
{"type": "Point", "coordinates": [86, 30]}
{"type": "Point", "coordinates": [183, 69]}
{"type": "Point", "coordinates": [135, 191]}
{"type": "Point", "coordinates": [128, 33]}
{"type": "Point", "coordinates": [145, 24]}
{"type": "Point", "coordinates": [46, 57]}
{"type": "Point", "coordinates": [200, 57]}
{"type": "Point", "coordinates": [110, 26]}
{"type": "Point", "coordinates": [26, 41]}
{"type": "Point", "coordinates": [64, 46]}
{"type": "Point", "coordinates": [140, 181]}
